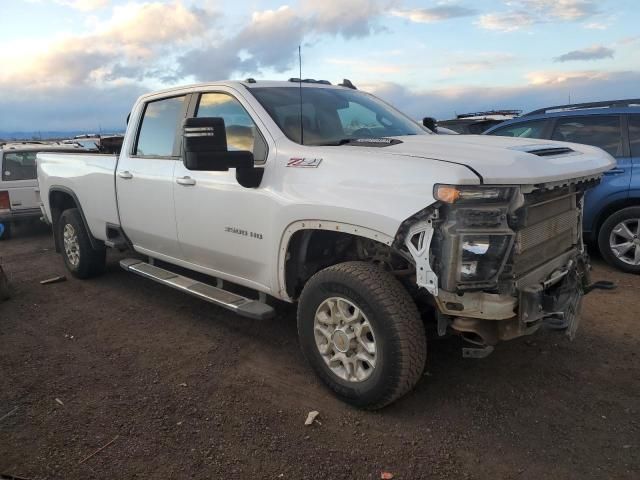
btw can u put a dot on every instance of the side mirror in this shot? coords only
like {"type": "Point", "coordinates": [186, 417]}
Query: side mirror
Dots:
{"type": "Point", "coordinates": [430, 123]}
{"type": "Point", "coordinates": [205, 147]}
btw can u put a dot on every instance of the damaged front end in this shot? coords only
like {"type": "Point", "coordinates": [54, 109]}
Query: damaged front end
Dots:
{"type": "Point", "coordinates": [501, 262]}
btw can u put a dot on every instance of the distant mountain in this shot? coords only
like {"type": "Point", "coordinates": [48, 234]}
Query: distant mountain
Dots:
{"type": "Point", "coordinates": [45, 135]}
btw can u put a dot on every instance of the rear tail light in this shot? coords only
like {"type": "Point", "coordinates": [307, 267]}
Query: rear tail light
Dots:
{"type": "Point", "coordinates": [4, 201]}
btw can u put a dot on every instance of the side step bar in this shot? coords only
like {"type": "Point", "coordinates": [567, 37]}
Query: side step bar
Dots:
{"type": "Point", "coordinates": [231, 301]}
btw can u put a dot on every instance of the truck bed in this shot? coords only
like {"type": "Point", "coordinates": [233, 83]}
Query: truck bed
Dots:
{"type": "Point", "coordinates": [90, 178]}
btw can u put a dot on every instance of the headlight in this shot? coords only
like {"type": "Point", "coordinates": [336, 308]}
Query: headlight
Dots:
{"type": "Point", "coordinates": [482, 256]}
{"type": "Point", "coordinates": [475, 193]}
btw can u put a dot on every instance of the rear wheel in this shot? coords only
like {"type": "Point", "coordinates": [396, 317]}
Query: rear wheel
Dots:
{"type": "Point", "coordinates": [619, 239]}
{"type": "Point", "coordinates": [362, 334]}
{"type": "Point", "coordinates": [80, 258]}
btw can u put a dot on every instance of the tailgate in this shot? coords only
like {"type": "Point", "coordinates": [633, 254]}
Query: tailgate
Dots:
{"type": "Point", "coordinates": [22, 194]}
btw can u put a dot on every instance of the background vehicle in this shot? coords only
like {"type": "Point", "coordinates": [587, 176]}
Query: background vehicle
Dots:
{"type": "Point", "coordinates": [432, 124]}
{"type": "Point", "coordinates": [18, 183]}
{"type": "Point", "coordinates": [612, 209]}
{"type": "Point", "coordinates": [100, 143]}
{"type": "Point", "coordinates": [328, 197]}
{"type": "Point", "coordinates": [478, 122]}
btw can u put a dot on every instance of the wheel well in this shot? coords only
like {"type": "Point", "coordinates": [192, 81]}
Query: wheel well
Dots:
{"type": "Point", "coordinates": [310, 251]}
{"type": "Point", "coordinates": [59, 202]}
{"type": "Point", "coordinates": [611, 209]}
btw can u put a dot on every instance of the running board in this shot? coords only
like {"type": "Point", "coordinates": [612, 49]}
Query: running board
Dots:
{"type": "Point", "coordinates": [231, 301]}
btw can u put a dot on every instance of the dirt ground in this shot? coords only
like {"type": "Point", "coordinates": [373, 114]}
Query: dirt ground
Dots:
{"type": "Point", "coordinates": [183, 389]}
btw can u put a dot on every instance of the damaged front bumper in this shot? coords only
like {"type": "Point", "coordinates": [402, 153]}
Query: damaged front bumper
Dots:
{"type": "Point", "coordinates": [551, 295]}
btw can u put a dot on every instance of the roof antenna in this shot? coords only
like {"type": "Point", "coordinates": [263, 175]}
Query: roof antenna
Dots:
{"type": "Point", "coordinates": [300, 86]}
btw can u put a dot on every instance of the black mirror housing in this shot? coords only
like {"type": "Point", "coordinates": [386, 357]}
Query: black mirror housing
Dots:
{"type": "Point", "coordinates": [204, 146]}
{"type": "Point", "coordinates": [430, 123]}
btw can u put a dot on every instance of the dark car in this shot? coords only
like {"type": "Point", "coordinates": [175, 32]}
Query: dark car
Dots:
{"type": "Point", "coordinates": [612, 209]}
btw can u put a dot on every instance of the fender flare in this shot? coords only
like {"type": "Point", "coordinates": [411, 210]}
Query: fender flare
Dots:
{"type": "Point", "coordinates": [59, 188]}
{"type": "Point", "coordinates": [314, 224]}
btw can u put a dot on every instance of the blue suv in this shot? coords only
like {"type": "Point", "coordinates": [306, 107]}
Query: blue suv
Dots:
{"type": "Point", "coordinates": [612, 209]}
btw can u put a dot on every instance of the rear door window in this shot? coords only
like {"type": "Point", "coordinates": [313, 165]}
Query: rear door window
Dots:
{"type": "Point", "coordinates": [532, 129]}
{"type": "Point", "coordinates": [19, 166]}
{"type": "Point", "coordinates": [157, 136]}
{"type": "Point", "coordinates": [598, 130]}
{"type": "Point", "coordinates": [634, 135]}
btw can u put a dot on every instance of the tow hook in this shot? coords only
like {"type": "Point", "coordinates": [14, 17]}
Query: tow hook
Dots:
{"type": "Point", "coordinates": [600, 285]}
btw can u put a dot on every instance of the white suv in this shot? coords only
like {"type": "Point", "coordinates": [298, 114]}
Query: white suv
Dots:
{"type": "Point", "coordinates": [18, 182]}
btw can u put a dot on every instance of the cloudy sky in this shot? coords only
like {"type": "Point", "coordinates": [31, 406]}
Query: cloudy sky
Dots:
{"type": "Point", "coordinates": [79, 64]}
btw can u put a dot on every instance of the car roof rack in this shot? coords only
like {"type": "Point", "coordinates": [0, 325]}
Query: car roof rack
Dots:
{"type": "Point", "coordinates": [348, 84]}
{"type": "Point", "coordinates": [584, 106]}
{"type": "Point", "coordinates": [489, 112]}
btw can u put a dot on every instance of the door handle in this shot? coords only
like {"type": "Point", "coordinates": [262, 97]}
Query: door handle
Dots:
{"type": "Point", "coordinates": [614, 171]}
{"type": "Point", "coordinates": [127, 175]}
{"type": "Point", "coordinates": [186, 181]}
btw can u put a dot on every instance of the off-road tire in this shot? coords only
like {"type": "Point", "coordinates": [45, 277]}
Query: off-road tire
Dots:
{"type": "Point", "coordinates": [92, 261]}
{"type": "Point", "coordinates": [605, 232]}
{"type": "Point", "coordinates": [399, 331]}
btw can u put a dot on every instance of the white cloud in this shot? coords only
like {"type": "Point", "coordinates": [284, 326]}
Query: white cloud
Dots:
{"type": "Point", "coordinates": [506, 22]}
{"type": "Point", "coordinates": [353, 18]}
{"type": "Point", "coordinates": [568, 10]}
{"type": "Point", "coordinates": [271, 38]}
{"type": "Point", "coordinates": [434, 14]}
{"type": "Point", "coordinates": [524, 13]}
{"type": "Point", "coordinates": [558, 78]}
{"type": "Point", "coordinates": [136, 35]}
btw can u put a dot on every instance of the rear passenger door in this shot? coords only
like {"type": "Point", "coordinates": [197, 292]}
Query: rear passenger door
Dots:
{"type": "Point", "coordinates": [19, 179]}
{"type": "Point", "coordinates": [606, 132]}
{"type": "Point", "coordinates": [144, 179]}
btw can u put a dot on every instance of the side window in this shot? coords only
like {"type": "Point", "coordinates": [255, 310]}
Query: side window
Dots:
{"type": "Point", "coordinates": [158, 129]}
{"type": "Point", "coordinates": [242, 133]}
{"type": "Point", "coordinates": [598, 130]}
{"type": "Point", "coordinates": [634, 135]}
{"type": "Point", "coordinates": [19, 166]}
{"type": "Point", "coordinates": [531, 129]}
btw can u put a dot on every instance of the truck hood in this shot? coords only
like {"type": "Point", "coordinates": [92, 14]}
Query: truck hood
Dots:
{"type": "Point", "coordinates": [506, 160]}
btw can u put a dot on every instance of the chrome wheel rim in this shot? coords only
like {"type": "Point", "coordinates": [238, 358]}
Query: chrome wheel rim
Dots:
{"type": "Point", "coordinates": [624, 241]}
{"type": "Point", "coordinates": [71, 245]}
{"type": "Point", "coordinates": [345, 339]}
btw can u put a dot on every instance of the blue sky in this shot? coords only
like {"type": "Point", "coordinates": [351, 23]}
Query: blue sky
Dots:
{"type": "Point", "coordinates": [79, 64]}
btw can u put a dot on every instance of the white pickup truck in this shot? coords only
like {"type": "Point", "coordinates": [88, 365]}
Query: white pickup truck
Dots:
{"type": "Point", "coordinates": [326, 196]}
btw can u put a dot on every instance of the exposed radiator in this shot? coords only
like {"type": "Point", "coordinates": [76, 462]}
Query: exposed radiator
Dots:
{"type": "Point", "coordinates": [549, 228]}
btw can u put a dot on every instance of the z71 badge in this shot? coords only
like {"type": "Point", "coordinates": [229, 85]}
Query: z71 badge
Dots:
{"type": "Point", "coordinates": [304, 162]}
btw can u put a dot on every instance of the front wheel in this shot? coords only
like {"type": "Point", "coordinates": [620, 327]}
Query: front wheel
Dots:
{"type": "Point", "coordinates": [362, 334]}
{"type": "Point", "coordinates": [80, 258]}
{"type": "Point", "coordinates": [619, 239]}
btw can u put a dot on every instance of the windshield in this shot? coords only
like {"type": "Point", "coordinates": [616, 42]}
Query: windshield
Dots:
{"type": "Point", "coordinates": [332, 116]}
